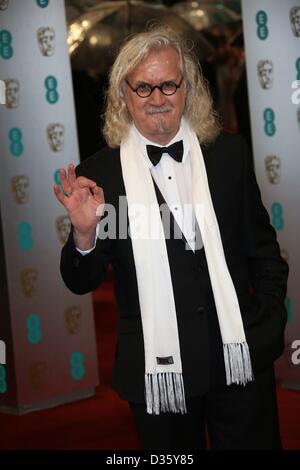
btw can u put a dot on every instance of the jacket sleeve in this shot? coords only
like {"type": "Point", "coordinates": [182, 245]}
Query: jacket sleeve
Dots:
{"type": "Point", "coordinates": [84, 273]}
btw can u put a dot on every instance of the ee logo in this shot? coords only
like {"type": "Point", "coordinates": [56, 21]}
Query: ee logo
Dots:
{"type": "Point", "coordinates": [288, 307]}
{"type": "Point", "coordinates": [277, 216]}
{"type": "Point", "coordinates": [16, 147]}
{"type": "Point", "coordinates": [42, 3]}
{"type": "Point", "coordinates": [77, 365]}
{"type": "Point", "coordinates": [298, 68]}
{"type": "Point", "coordinates": [262, 28]}
{"type": "Point", "coordinates": [33, 324]}
{"type": "Point", "coordinates": [25, 236]}
{"type": "Point", "coordinates": [269, 117]}
{"type": "Point", "coordinates": [57, 179]}
{"type": "Point", "coordinates": [3, 384]}
{"type": "Point", "coordinates": [6, 49]}
{"type": "Point", "coordinates": [52, 94]}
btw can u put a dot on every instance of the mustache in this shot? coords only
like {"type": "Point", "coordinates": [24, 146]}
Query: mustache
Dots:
{"type": "Point", "coordinates": [159, 109]}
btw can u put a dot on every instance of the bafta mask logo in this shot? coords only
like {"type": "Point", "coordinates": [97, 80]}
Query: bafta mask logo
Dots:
{"type": "Point", "coordinates": [284, 255]}
{"type": "Point", "coordinates": [20, 188]}
{"type": "Point", "coordinates": [63, 228]}
{"type": "Point", "coordinates": [28, 279]}
{"type": "Point", "coordinates": [265, 73]}
{"type": "Point", "coordinates": [56, 135]}
{"type": "Point", "coordinates": [2, 92]}
{"type": "Point", "coordinates": [73, 319]}
{"type": "Point", "coordinates": [273, 168]}
{"type": "Point", "coordinates": [12, 93]}
{"type": "Point", "coordinates": [295, 20]}
{"type": "Point", "coordinates": [3, 4]}
{"type": "Point", "coordinates": [46, 40]}
{"type": "Point", "coordinates": [37, 375]}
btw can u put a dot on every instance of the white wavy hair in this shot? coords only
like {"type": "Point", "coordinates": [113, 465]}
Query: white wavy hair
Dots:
{"type": "Point", "coordinates": [198, 111]}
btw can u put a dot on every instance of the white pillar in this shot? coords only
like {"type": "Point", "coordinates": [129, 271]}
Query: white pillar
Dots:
{"type": "Point", "coordinates": [272, 41]}
{"type": "Point", "coordinates": [48, 332]}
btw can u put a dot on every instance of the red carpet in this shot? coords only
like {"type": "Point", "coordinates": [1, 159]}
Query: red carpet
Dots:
{"type": "Point", "coordinates": [104, 421]}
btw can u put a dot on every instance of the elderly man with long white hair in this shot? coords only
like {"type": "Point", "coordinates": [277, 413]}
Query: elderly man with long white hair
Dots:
{"type": "Point", "coordinates": [199, 279]}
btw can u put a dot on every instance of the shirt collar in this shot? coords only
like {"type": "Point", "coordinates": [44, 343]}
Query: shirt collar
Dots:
{"type": "Point", "coordinates": [181, 135]}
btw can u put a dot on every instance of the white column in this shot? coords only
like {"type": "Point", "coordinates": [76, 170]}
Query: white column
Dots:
{"type": "Point", "coordinates": [48, 332]}
{"type": "Point", "coordinates": [272, 41]}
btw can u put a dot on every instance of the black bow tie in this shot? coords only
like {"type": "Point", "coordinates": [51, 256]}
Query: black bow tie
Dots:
{"type": "Point", "coordinates": [175, 150]}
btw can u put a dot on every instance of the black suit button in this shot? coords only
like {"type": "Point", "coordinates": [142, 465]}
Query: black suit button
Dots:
{"type": "Point", "coordinates": [200, 310]}
{"type": "Point", "coordinates": [76, 262]}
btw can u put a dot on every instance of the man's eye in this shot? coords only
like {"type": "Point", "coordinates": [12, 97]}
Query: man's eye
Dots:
{"type": "Point", "coordinates": [168, 86]}
{"type": "Point", "coordinates": [144, 88]}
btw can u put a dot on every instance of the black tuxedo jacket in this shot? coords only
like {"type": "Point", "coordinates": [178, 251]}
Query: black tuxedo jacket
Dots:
{"type": "Point", "coordinates": [253, 258]}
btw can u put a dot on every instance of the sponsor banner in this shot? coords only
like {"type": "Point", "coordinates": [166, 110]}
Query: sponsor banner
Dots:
{"type": "Point", "coordinates": [272, 42]}
{"type": "Point", "coordinates": [50, 330]}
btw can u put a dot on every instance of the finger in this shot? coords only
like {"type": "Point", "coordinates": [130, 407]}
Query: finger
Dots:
{"type": "Point", "coordinates": [66, 186]}
{"type": "Point", "coordinates": [98, 194]}
{"type": "Point", "coordinates": [72, 175]}
{"type": "Point", "coordinates": [84, 182]}
{"type": "Point", "coordinates": [58, 194]}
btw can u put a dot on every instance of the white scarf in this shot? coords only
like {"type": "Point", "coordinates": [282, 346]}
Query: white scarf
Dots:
{"type": "Point", "coordinates": [164, 390]}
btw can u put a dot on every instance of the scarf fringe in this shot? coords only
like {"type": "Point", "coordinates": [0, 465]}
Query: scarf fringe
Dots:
{"type": "Point", "coordinates": [165, 392]}
{"type": "Point", "coordinates": [237, 363]}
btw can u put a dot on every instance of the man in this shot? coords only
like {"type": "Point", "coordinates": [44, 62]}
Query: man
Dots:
{"type": "Point", "coordinates": [202, 315]}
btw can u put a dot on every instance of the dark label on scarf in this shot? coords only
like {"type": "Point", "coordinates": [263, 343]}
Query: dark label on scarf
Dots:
{"type": "Point", "coordinates": [164, 361]}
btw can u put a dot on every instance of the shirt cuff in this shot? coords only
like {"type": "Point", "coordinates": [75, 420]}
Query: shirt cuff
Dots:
{"type": "Point", "coordinates": [86, 252]}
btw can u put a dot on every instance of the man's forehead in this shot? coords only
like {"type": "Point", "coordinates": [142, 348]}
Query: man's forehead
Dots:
{"type": "Point", "coordinates": [158, 62]}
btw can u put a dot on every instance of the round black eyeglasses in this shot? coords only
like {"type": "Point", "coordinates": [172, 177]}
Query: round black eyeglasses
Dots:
{"type": "Point", "coordinates": [145, 89]}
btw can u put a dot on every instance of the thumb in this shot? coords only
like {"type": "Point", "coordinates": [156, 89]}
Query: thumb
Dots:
{"type": "Point", "coordinates": [98, 193]}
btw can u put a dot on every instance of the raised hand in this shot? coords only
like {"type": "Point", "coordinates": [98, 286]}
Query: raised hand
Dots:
{"type": "Point", "coordinates": [84, 201]}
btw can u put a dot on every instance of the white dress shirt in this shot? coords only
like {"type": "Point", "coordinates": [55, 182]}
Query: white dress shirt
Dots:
{"type": "Point", "coordinates": [174, 180]}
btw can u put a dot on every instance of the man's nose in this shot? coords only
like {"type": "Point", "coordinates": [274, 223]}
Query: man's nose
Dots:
{"type": "Point", "coordinates": [157, 97]}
